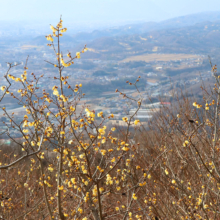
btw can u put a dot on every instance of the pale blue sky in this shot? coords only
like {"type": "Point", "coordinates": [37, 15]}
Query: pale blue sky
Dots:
{"type": "Point", "coordinates": [101, 10]}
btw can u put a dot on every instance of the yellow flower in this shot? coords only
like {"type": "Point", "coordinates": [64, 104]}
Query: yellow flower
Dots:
{"type": "Point", "coordinates": [63, 30]}
{"type": "Point", "coordinates": [173, 181]}
{"type": "Point", "coordinates": [142, 184]}
{"type": "Point", "coordinates": [49, 37]}
{"type": "Point", "coordinates": [72, 108]}
{"type": "Point", "coordinates": [60, 187]}
{"type": "Point", "coordinates": [50, 169]}
{"type": "Point", "coordinates": [73, 180]}
{"type": "Point", "coordinates": [205, 206]}
{"type": "Point", "coordinates": [80, 210]}
{"type": "Point", "coordinates": [25, 116]}
{"type": "Point", "coordinates": [42, 154]}
{"type": "Point", "coordinates": [49, 100]}
{"type": "Point", "coordinates": [134, 196]}
{"type": "Point", "coordinates": [100, 114]}
{"type": "Point", "coordinates": [28, 111]}
{"type": "Point", "coordinates": [101, 131]}
{"type": "Point", "coordinates": [89, 113]}
{"type": "Point", "coordinates": [70, 142]}
{"type": "Point", "coordinates": [65, 151]}
{"type": "Point", "coordinates": [101, 189]}
{"type": "Point", "coordinates": [199, 201]}
{"type": "Point", "coordinates": [48, 113]}
{"type": "Point", "coordinates": [125, 119]}
{"type": "Point", "coordinates": [55, 92]}
{"type": "Point", "coordinates": [103, 152]}
{"type": "Point", "coordinates": [185, 143]}
{"type": "Point", "coordinates": [125, 149]}
{"type": "Point", "coordinates": [52, 28]}
{"type": "Point", "coordinates": [62, 132]}
{"type": "Point", "coordinates": [78, 55]}
{"type": "Point", "coordinates": [113, 159]}
{"type": "Point", "coordinates": [117, 208]}
{"type": "Point", "coordinates": [81, 156]}
{"type": "Point", "coordinates": [3, 88]}
{"type": "Point", "coordinates": [25, 130]}
{"type": "Point", "coordinates": [136, 122]}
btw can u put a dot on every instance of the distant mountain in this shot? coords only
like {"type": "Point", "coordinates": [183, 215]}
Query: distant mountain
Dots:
{"type": "Point", "coordinates": [191, 19]}
{"type": "Point", "coordinates": [83, 38]}
{"type": "Point", "coordinates": [198, 33]}
{"type": "Point", "coordinates": [178, 22]}
{"type": "Point", "coordinates": [203, 38]}
{"type": "Point", "coordinates": [42, 41]}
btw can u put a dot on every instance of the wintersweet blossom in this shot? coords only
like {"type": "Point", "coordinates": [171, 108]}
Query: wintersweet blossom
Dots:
{"type": "Point", "coordinates": [185, 143]}
{"type": "Point", "coordinates": [78, 55]}
{"type": "Point", "coordinates": [136, 122]}
{"type": "Point", "coordinates": [3, 88]}
{"type": "Point", "coordinates": [134, 196]}
{"type": "Point", "coordinates": [125, 119]}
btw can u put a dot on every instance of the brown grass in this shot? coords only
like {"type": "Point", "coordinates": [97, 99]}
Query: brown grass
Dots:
{"type": "Point", "coordinates": [160, 57]}
{"type": "Point", "coordinates": [152, 80]}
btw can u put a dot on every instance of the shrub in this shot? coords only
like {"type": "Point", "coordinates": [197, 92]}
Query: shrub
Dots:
{"type": "Point", "coordinates": [70, 166]}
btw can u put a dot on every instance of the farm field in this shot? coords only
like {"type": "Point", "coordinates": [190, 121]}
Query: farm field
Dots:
{"type": "Point", "coordinates": [28, 47]}
{"type": "Point", "coordinates": [160, 57]}
{"type": "Point", "coordinates": [152, 80]}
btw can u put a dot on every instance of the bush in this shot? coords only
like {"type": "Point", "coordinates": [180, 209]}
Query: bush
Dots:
{"type": "Point", "coordinates": [71, 166]}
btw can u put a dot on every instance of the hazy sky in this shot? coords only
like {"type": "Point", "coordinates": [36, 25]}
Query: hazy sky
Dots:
{"type": "Point", "coordinates": [101, 10]}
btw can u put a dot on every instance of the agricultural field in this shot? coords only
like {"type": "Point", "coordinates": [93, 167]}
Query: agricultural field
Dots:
{"type": "Point", "coordinates": [161, 57]}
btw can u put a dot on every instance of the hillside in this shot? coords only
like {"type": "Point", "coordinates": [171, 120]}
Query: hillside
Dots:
{"type": "Point", "coordinates": [140, 28]}
{"type": "Point", "coordinates": [202, 38]}
{"type": "Point", "coordinates": [136, 28]}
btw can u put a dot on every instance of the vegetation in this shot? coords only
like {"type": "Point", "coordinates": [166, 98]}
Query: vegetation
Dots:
{"type": "Point", "coordinates": [69, 165]}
